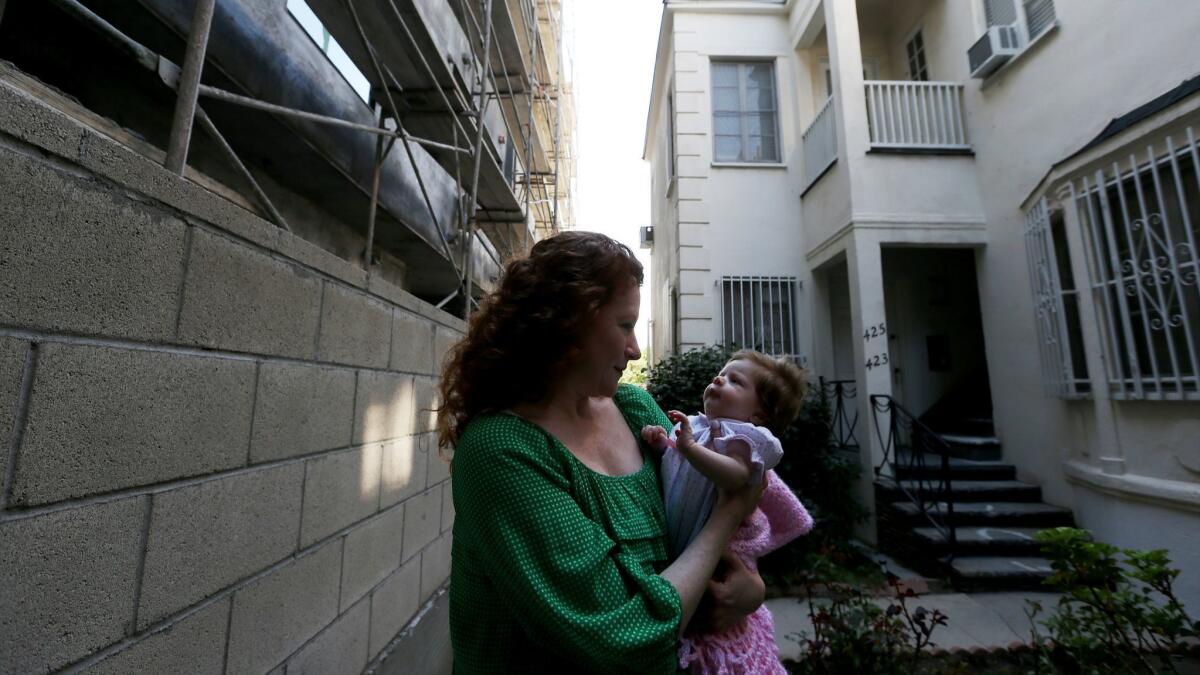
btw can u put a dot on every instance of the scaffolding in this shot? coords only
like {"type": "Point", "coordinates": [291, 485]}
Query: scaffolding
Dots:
{"type": "Point", "coordinates": [535, 100]}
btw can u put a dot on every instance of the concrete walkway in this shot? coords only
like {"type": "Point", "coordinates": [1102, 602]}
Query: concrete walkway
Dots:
{"type": "Point", "coordinates": [986, 620]}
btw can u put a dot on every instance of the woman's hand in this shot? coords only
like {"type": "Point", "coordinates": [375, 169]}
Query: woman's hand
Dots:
{"type": "Point", "coordinates": [734, 593]}
{"type": "Point", "coordinates": [741, 502]}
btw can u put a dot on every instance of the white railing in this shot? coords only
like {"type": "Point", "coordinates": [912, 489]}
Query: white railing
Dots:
{"type": "Point", "coordinates": [926, 115]}
{"type": "Point", "coordinates": [820, 144]}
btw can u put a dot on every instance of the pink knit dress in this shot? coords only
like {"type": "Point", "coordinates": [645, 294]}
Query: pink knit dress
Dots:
{"type": "Point", "coordinates": [749, 646]}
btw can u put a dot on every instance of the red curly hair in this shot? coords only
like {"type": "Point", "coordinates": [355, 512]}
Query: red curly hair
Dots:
{"type": "Point", "coordinates": [523, 331]}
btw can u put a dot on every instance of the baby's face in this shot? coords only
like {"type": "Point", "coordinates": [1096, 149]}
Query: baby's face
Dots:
{"type": "Point", "coordinates": [731, 394]}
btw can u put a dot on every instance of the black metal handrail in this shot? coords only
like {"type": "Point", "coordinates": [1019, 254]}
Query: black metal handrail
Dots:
{"type": "Point", "coordinates": [907, 445]}
{"type": "Point", "coordinates": [843, 411]}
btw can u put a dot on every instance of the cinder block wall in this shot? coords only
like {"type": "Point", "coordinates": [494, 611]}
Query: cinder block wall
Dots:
{"type": "Point", "coordinates": [215, 438]}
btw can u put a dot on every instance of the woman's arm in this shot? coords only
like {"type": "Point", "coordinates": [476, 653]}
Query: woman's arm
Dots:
{"type": "Point", "coordinates": [693, 569]}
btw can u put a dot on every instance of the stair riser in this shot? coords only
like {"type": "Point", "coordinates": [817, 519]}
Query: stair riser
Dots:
{"type": "Point", "coordinates": [978, 453]}
{"type": "Point", "coordinates": [959, 473]}
{"type": "Point", "coordinates": [1038, 520]}
{"type": "Point", "coordinates": [1026, 495]}
{"type": "Point", "coordinates": [940, 549]}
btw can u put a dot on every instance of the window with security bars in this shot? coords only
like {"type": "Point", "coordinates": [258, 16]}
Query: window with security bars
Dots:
{"type": "Point", "coordinates": [760, 313]}
{"type": "Point", "coordinates": [1056, 304]}
{"type": "Point", "coordinates": [1140, 220]}
{"type": "Point", "coordinates": [744, 108]}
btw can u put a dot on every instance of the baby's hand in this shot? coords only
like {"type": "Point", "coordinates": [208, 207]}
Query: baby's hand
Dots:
{"type": "Point", "coordinates": [656, 437]}
{"type": "Point", "coordinates": [684, 435]}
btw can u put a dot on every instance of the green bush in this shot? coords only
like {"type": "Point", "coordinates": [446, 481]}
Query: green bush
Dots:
{"type": "Point", "coordinates": [1118, 612]}
{"type": "Point", "coordinates": [820, 475]}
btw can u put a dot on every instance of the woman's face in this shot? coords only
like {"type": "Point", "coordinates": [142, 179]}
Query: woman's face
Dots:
{"type": "Point", "coordinates": [608, 344]}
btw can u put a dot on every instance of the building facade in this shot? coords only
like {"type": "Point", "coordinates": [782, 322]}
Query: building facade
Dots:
{"type": "Point", "coordinates": [983, 210]}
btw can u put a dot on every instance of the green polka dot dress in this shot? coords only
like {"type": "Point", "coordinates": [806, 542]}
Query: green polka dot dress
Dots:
{"type": "Point", "coordinates": [555, 567]}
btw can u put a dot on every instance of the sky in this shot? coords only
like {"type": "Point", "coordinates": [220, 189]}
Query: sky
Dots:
{"type": "Point", "coordinates": [613, 52]}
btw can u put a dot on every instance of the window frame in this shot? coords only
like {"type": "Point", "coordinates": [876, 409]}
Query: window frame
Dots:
{"type": "Point", "coordinates": [914, 34]}
{"type": "Point", "coordinates": [742, 67]}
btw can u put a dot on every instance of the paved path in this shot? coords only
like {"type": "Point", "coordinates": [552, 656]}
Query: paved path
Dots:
{"type": "Point", "coordinates": [976, 620]}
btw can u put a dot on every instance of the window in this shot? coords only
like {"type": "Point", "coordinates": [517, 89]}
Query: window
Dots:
{"type": "Point", "coordinates": [744, 112]}
{"type": "Point", "coordinates": [1140, 222]}
{"type": "Point", "coordinates": [1032, 17]}
{"type": "Point", "coordinates": [918, 70]}
{"type": "Point", "coordinates": [337, 56]}
{"type": "Point", "coordinates": [759, 313]}
{"type": "Point", "coordinates": [1055, 304]}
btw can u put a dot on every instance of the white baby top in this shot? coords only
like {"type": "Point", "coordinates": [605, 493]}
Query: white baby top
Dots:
{"type": "Point", "coordinates": [689, 496]}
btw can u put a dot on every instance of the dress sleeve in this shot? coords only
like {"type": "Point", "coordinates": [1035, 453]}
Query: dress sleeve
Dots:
{"type": "Point", "coordinates": [786, 516]}
{"type": "Point", "coordinates": [571, 589]}
{"type": "Point", "coordinates": [755, 444]}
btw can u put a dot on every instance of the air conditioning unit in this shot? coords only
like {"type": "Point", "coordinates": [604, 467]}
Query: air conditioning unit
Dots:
{"type": "Point", "coordinates": [997, 45]}
{"type": "Point", "coordinates": [646, 234]}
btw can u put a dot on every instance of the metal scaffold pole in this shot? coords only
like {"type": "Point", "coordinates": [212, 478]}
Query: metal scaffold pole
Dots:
{"type": "Point", "coordinates": [473, 205]}
{"type": "Point", "coordinates": [189, 87]}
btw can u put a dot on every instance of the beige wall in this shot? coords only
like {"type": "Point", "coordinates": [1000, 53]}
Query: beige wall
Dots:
{"type": "Point", "coordinates": [216, 437]}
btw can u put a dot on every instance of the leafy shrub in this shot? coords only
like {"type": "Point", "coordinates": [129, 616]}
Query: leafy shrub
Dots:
{"type": "Point", "coordinates": [1118, 612]}
{"type": "Point", "coordinates": [820, 475]}
{"type": "Point", "coordinates": [852, 633]}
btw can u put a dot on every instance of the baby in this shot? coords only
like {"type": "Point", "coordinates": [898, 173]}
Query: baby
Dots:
{"type": "Point", "coordinates": [731, 444]}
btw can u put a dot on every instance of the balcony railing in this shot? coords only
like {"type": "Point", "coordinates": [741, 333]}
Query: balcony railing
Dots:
{"type": "Point", "coordinates": [916, 115]}
{"type": "Point", "coordinates": [820, 144]}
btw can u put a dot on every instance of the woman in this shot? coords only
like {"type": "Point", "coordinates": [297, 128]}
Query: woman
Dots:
{"type": "Point", "coordinates": [560, 558]}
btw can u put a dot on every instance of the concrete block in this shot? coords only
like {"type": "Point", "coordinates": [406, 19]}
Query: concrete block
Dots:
{"type": "Point", "coordinates": [697, 305]}
{"type": "Point", "coordinates": [412, 343]}
{"type": "Point", "coordinates": [692, 166]}
{"type": "Point", "coordinates": [239, 299]}
{"type": "Point", "coordinates": [692, 144]}
{"type": "Point", "coordinates": [372, 553]}
{"type": "Point", "coordinates": [340, 648]}
{"type": "Point", "coordinates": [422, 521]}
{"type": "Point", "coordinates": [447, 506]}
{"type": "Point", "coordinates": [311, 255]}
{"type": "Point", "coordinates": [686, 40]}
{"type": "Point", "coordinates": [426, 649]}
{"type": "Point", "coordinates": [393, 603]}
{"type": "Point", "coordinates": [405, 466]}
{"type": "Point", "coordinates": [690, 123]}
{"type": "Point", "coordinates": [12, 365]}
{"type": "Point", "coordinates": [195, 644]}
{"type": "Point", "coordinates": [82, 259]}
{"type": "Point", "coordinates": [686, 61]}
{"type": "Point", "coordinates": [443, 340]}
{"type": "Point", "coordinates": [439, 469]}
{"type": "Point", "coordinates": [691, 102]}
{"type": "Point", "coordinates": [34, 122]}
{"type": "Point", "coordinates": [691, 234]}
{"type": "Point", "coordinates": [207, 536]}
{"type": "Point", "coordinates": [692, 188]}
{"type": "Point", "coordinates": [276, 614]}
{"type": "Point", "coordinates": [339, 489]}
{"type": "Point", "coordinates": [693, 212]}
{"type": "Point", "coordinates": [693, 258]}
{"type": "Point", "coordinates": [301, 409]}
{"type": "Point", "coordinates": [696, 282]}
{"type": "Point", "coordinates": [383, 406]}
{"type": "Point", "coordinates": [427, 400]}
{"type": "Point", "coordinates": [435, 565]}
{"type": "Point", "coordinates": [102, 419]}
{"type": "Point", "coordinates": [68, 582]}
{"type": "Point", "coordinates": [354, 328]}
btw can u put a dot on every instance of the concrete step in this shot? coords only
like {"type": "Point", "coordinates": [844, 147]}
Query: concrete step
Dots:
{"type": "Point", "coordinates": [999, 573]}
{"type": "Point", "coordinates": [993, 513]}
{"type": "Point", "coordinates": [980, 448]}
{"type": "Point", "coordinates": [960, 469]}
{"type": "Point", "coordinates": [968, 490]}
{"type": "Point", "coordinates": [982, 541]}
